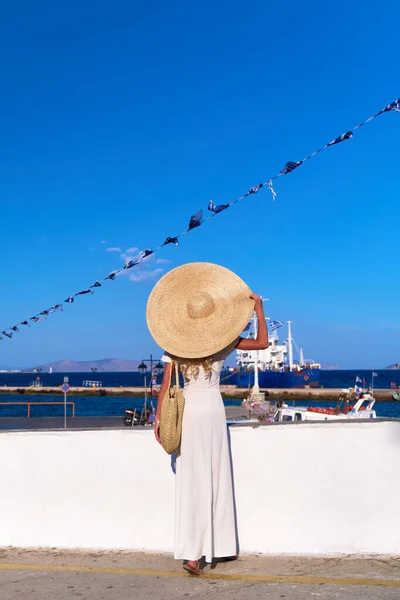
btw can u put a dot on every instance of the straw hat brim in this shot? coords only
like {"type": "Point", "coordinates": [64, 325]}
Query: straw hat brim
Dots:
{"type": "Point", "coordinates": [198, 309]}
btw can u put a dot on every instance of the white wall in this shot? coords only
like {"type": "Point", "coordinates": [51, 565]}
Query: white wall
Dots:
{"type": "Point", "coordinates": [304, 489]}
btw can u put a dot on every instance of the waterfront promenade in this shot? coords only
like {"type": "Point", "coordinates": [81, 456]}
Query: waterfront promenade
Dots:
{"type": "Point", "coordinates": [67, 575]}
{"type": "Point", "coordinates": [37, 423]}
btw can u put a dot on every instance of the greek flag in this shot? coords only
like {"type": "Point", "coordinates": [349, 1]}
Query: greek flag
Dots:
{"type": "Point", "coordinates": [357, 390]}
{"type": "Point", "coordinates": [358, 379]}
{"type": "Point", "coordinates": [374, 374]}
{"type": "Point", "coordinates": [275, 325]}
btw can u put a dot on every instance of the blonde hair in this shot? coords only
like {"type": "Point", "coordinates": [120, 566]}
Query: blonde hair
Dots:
{"type": "Point", "coordinates": [190, 367]}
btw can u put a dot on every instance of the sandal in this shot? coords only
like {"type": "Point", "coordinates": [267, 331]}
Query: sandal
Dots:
{"type": "Point", "coordinates": [196, 570]}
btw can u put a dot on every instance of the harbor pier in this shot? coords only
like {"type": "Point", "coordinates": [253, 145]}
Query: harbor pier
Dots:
{"type": "Point", "coordinates": [227, 391]}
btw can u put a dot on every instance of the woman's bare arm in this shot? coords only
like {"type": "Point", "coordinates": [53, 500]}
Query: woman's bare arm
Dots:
{"type": "Point", "coordinates": [261, 341]}
{"type": "Point", "coordinates": [161, 394]}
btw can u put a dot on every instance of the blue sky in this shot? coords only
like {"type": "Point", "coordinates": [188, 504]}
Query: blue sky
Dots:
{"type": "Point", "coordinates": [121, 119]}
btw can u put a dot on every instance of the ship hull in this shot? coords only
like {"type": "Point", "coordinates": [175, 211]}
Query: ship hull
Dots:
{"type": "Point", "coordinates": [276, 379]}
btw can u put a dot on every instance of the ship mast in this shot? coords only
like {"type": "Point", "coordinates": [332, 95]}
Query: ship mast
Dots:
{"type": "Point", "coordinates": [256, 387]}
{"type": "Point", "coordinates": [290, 345]}
{"type": "Point", "coordinates": [301, 358]}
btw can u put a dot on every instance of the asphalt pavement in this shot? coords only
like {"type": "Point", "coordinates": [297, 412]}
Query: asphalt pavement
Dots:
{"type": "Point", "coordinates": [61, 575]}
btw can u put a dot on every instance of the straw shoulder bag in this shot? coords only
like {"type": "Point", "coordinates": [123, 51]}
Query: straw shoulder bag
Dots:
{"type": "Point", "coordinates": [172, 413]}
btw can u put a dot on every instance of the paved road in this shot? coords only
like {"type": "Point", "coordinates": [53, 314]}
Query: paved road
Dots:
{"type": "Point", "coordinates": [10, 423]}
{"type": "Point", "coordinates": [61, 575]}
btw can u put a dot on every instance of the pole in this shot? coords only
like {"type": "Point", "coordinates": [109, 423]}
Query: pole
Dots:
{"type": "Point", "coordinates": [66, 380]}
{"type": "Point", "coordinates": [151, 376]}
{"type": "Point", "coordinates": [145, 399]}
{"type": "Point", "coordinates": [256, 387]}
{"type": "Point", "coordinates": [150, 360]}
{"type": "Point", "coordinates": [289, 329]}
{"type": "Point", "coordinates": [372, 384]}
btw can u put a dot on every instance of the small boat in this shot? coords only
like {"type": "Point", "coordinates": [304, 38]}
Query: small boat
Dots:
{"type": "Point", "coordinates": [396, 396]}
{"type": "Point", "coordinates": [349, 407]}
{"type": "Point", "coordinates": [92, 384]}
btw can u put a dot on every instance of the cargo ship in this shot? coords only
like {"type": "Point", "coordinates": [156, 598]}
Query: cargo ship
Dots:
{"type": "Point", "coordinates": [273, 367]}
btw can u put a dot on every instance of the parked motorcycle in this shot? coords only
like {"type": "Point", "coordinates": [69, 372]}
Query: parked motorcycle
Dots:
{"type": "Point", "coordinates": [136, 417]}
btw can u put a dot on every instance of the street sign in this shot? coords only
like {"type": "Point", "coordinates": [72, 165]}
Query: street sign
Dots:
{"type": "Point", "coordinates": [65, 388]}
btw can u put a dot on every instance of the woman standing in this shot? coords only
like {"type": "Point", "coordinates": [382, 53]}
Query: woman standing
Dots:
{"type": "Point", "coordinates": [196, 312]}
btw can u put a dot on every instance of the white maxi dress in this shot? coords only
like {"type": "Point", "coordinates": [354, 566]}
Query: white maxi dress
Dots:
{"type": "Point", "coordinates": [205, 522]}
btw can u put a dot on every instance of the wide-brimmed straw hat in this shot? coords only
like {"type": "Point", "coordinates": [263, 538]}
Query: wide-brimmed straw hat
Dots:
{"type": "Point", "coordinates": [198, 309]}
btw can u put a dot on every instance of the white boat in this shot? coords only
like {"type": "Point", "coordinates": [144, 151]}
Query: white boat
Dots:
{"type": "Point", "coordinates": [92, 384]}
{"type": "Point", "coordinates": [344, 410]}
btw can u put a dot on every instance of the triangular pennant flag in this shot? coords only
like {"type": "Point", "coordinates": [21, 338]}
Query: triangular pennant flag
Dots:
{"type": "Point", "coordinates": [218, 208]}
{"type": "Point", "coordinates": [95, 285]}
{"type": "Point", "coordinates": [171, 240]}
{"type": "Point", "coordinates": [132, 263]}
{"type": "Point", "coordinates": [70, 300]}
{"type": "Point", "coordinates": [345, 136]}
{"type": "Point", "coordinates": [195, 220]}
{"type": "Point", "coordinates": [290, 166]}
{"type": "Point", "coordinates": [254, 189]}
{"type": "Point", "coordinates": [24, 323]}
{"type": "Point", "coordinates": [112, 275]}
{"type": "Point", "coordinates": [84, 292]}
{"type": "Point", "coordinates": [392, 106]}
{"type": "Point", "coordinates": [15, 328]}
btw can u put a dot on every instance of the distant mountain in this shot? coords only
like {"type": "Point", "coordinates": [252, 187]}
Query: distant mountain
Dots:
{"type": "Point", "coordinates": [394, 366]}
{"type": "Point", "coordinates": [102, 366]}
{"type": "Point", "coordinates": [329, 367]}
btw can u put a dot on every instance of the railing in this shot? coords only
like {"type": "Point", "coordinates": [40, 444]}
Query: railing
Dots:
{"type": "Point", "coordinates": [30, 404]}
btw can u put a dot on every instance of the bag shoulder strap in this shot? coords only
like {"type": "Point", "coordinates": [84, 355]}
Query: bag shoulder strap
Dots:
{"type": "Point", "coordinates": [174, 373]}
{"type": "Point", "coordinates": [170, 376]}
{"type": "Point", "coordinates": [176, 370]}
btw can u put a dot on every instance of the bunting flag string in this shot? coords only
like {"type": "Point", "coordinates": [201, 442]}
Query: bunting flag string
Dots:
{"type": "Point", "coordinates": [197, 220]}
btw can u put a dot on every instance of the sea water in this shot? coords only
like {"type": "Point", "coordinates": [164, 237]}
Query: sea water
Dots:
{"type": "Point", "coordinates": [114, 406]}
